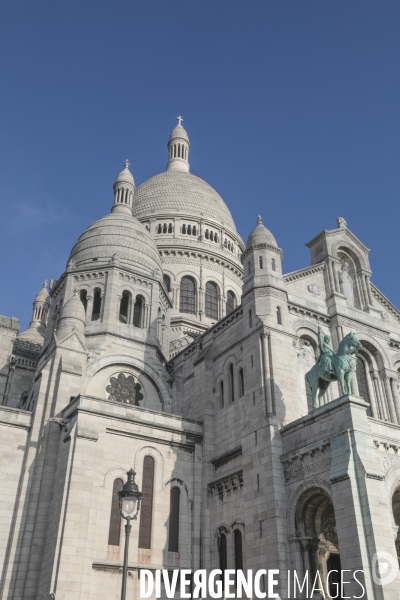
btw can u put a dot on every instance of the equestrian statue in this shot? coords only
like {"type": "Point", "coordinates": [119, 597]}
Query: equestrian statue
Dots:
{"type": "Point", "coordinates": [332, 366]}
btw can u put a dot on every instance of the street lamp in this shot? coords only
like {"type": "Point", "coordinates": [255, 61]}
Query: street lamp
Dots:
{"type": "Point", "coordinates": [129, 500]}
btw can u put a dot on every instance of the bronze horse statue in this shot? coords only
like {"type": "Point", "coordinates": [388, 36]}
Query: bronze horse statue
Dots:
{"type": "Point", "coordinates": [342, 368]}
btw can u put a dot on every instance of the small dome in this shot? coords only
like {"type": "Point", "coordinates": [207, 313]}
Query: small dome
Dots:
{"type": "Point", "coordinates": [43, 295]}
{"type": "Point", "coordinates": [260, 235]}
{"type": "Point", "coordinates": [118, 237]}
{"type": "Point", "coordinates": [179, 132]}
{"type": "Point", "coordinates": [125, 176]}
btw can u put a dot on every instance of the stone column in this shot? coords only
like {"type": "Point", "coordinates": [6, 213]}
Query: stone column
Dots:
{"type": "Point", "coordinates": [364, 289]}
{"type": "Point", "coordinates": [389, 397]}
{"type": "Point", "coordinates": [101, 306]}
{"type": "Point", "coordinates": [330, 276]}
{"type": "Point", "coordinates": [369, 291]}
{"type": "Point", "coordinates": [354, 382]}
{"type": "Point", "coordinates": [372, 397]}
{"type": "Point", "coordinates": [266, 373]}
{"type": "Point", "coordinates": [396, 398]}
{"type": "Point", "coordinates": [335, 275]}
{"type": "Point", "coordinates": [89, 308]}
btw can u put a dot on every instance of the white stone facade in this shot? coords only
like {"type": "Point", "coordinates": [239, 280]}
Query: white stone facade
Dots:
{"type": "Point", "coordinates": [201, 390]}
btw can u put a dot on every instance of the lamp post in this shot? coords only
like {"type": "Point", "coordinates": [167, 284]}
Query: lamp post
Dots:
{"type": "Point", "coordinates": [129, 500]}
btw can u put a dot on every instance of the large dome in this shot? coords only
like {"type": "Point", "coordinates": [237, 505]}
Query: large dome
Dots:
{"type": "Point", "coordinates": [119, 237]}
{"type": "Point", "coordinates": [176, 192]}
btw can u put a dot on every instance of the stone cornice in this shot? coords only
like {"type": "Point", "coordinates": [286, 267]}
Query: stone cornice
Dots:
{"type": "Point", "coordinates": [306, 272]}
{"type": "Point", "coordinates": [334, 232]}
{"type": "Point", "coordinates": [263, 247]}
{"type": "Point", "coordinates": [385, 302]}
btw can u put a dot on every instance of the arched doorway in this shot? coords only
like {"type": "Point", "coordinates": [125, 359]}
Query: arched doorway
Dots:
{"type": "Point", "coordinates": [396, 516]}
{"type": "Point", "coordinates": [316, 532]}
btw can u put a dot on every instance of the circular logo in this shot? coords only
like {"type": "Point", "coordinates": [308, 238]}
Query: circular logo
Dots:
{"type": "Point", "coordinates": [385, 568]}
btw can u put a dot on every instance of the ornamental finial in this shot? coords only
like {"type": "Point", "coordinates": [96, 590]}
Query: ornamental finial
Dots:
{"type": "Point", "coordinates": [45, 282]}
{"type": "Point", "coordinates": [259, 220]}
{"type": "Point", "coordinates": [179, 119]}
{"type": "Point", "coordinates": [127, 164]}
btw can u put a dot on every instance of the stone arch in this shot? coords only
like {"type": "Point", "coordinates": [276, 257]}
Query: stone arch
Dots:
{"type": "Point", "coordinates": [158, 464]}
{"type": "Point", "coordinates": [175, 482]}
{"type": "Point", "coordinates": [114, 473]}
{"type": "Point", "coordinates": [313, 483]}
{"type": "Point", "coordinates": [352, 251]}
{"type": "Point", "coordinates": [125, 360]}
{"type": "Point", "coordinates": [304, 324]}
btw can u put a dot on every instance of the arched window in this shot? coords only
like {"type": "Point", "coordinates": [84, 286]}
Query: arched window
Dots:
{"type": "Point", "coordinates": [207, 234]}
{"type": "Point", "coordinates": [238, 550]}
{"type": "Point", "coordinates": [194, 230]}
{"type": "Point", "coordinates": [115, 518]}
{"type": "Point", "coordinates": [187, 303]}
{"type": "Point", "coordinates": [124, 307]}
{"type": "Point", "coordinates": [223, 555]}
{"type": "Point", "coordinates": [189, 230]}
{"type": "Point", "coordinates": [249, 266]}
{"type": "Point", "coordinates": [225, 242]}
{"type": "Point", "coordinates": [173, 534]}
{"type": "Point", "coordinates": [183, 228]}
{"type": "Point", "coordinates": [273, 264]}
{"type": "Point", "coordinates": [241, 383]}
{"type": "Point", "coordinates": [146, 506]}
{"type": "Point", "coordinates": [165, 228]}
{"type": "Point", "coordinates": [159, 228]}
{"type": "Point", "coordinates": [83, 297]}
{"type": "Point", "coordinates": [96, 305]}
{"type": "Point", "coordinates": [261, 262]}
{"type": "Point", "coordinates": [250, 318]}
{"type": "Point", "coordinates": [230, 302]}
{"type": "Point", "coordinates": [215, 237]}
{"type": "Point", "coordinates": [138, 311]}
{"type": "Point", "coordinates": [278, 315]}
{"type": "Point", "coordinates": [167, 282]}
{"type": "Point", "coordinates": [221, 391]}
{"type": "Point", "coordinates": [231, 384]}
{"type": "Point", "coordinates": [211, 236]}
{"type": "Point", "coordinates": [170, 228]}
{"type": "Point", "coordinates": [211, 300]}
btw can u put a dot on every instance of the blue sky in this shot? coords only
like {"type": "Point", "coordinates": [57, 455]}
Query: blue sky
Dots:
{"type": "Point", "coordinates": [292, 108]}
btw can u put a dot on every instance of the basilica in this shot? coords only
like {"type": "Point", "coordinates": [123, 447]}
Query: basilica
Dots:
{"type": "Point", "coordinates": [170, 346]}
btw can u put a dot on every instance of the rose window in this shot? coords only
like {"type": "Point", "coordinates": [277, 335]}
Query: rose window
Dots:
{"type": "Point", "coordinates": [125, 389]}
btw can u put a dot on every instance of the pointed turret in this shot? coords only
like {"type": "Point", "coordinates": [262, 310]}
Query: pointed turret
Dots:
{"type": "Point", "coordinates": [37, 326]}
{"type": "Point", "coordinates": [178, 149]}
{"type": "Point", "coordinates": [124, 188]}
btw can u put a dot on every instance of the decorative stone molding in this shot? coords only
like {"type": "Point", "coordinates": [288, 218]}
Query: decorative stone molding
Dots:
{"type": "Point", "coordinates": [306, 462]}
{"type": "Point", "coordinates": [89, 276]}
{"type": "Point", "coordinates": [314, 289]}
{"type": "Point", "coordinates": [226, 485]}
{"type": "Point", "coordinates": [223, 459]}
{"type": "Point", "coordinates": [376, 476]}
{"type": "Point", "coordinates": [307, 314]}
{"type": "Point", "coordinates": [385, 302]}
{"type": "Point", "coordinates": [339, 478]}
{"type": "Point", "coordinates": [301, 273]}
{"type": "Point", "coordinates": [270, 292]}
{"type": "Point", "coordinates": [357, 326]}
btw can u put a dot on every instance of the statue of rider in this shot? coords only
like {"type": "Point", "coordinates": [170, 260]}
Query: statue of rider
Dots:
{"type": "Point", "coordinates": [326, 352]}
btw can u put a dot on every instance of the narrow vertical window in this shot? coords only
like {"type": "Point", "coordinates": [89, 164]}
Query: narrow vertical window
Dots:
{"type": "Point", "coordinates": [230, 302]}
{"type": "Point", "coordinates": [96, 305]}
{"type": "Point", "coordinates": [238, 550]}
{"type": "Point", "coordinates": [249, 265]}
{"type": "Point", "coordinates": [223, 555]}
{"type": "Point", "coordinates": [167, 282]}
{"type": "Point", "coordinates": [261, 262]}
{"type": "Point", "coordinates": [138, 311]}
{"type": "Point", "coordinates": [146, 507]}
{"type": "Point", "coordinates": [115, 517]}
{"type": "Point", "coordinates": [258, 481]}
{"type": "Point", "coordinates": [211, 304]}
{"type": "Point", "coordinates": [170, 228]}
{"type": "Point", "coordinates": [273, 264]}
{"type": "Point", "coordinates": [250, 319]}
{"type": "Point", "coordinates": [83, 297]}
{"type": "Point", "coordinates": [165, 228]}
{"type": "Point", "coordinates": [124, 307]}
{"type": "Point", "coordinates": [187, 295]}
{"type": "Point", "coordinates": [173, 534]}
{"type": "Point", "coordinates": [231, 382]}
{"type": "Point", "coordinates": [241, 382]}
{"type": "Point", "coordinates": [221, 393]}
{"type": "Point", "coordinates": [278, 315]}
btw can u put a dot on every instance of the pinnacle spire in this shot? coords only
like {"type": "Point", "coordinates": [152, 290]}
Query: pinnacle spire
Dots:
{"type": "Point", "coordinates": [178, 148]}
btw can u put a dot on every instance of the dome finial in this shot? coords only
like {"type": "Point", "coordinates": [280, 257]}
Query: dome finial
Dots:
{"type": "Point", "coordinates": [45, 282]}
{"type": "Point", "coordinates": [124, 188]}
{"type": "Point", "coordinates": [178, 148]}
{"type": "Point", "coordinates": [259, 220]}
